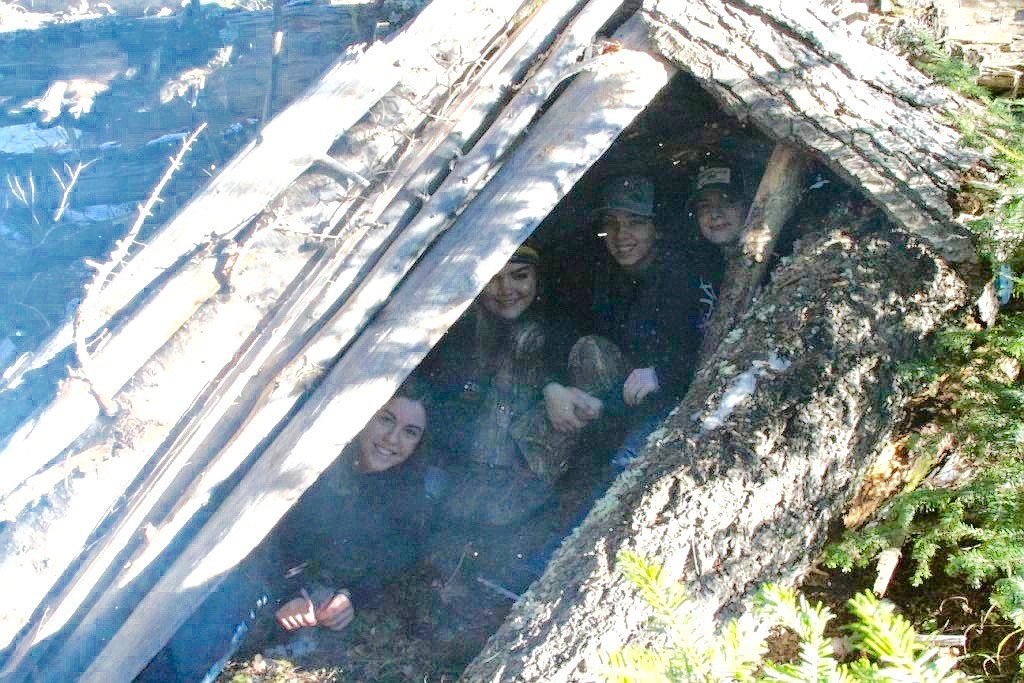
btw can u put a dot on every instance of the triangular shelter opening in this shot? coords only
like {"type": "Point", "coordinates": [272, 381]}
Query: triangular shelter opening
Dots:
{"type": "Point", "coordinates": [383, 538]}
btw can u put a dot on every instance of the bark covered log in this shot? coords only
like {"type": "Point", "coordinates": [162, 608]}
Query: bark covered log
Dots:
{"type": "Point", "coordinates": [729, 498]}
{"type": "Point", "coordinates": [798, 74]}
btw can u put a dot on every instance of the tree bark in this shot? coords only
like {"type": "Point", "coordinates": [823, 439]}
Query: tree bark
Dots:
{"type": "Point", "coordinates": [728, 500]}
{"type": "Point", "coordinates": [797, 73]}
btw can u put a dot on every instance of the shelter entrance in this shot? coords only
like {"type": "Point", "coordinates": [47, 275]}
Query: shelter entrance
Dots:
{"type": "Point", "coordinates": [429, 553]}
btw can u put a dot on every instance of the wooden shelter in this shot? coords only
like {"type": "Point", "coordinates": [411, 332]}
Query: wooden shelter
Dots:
{"type": "Point", "coordinates": [226, 364]}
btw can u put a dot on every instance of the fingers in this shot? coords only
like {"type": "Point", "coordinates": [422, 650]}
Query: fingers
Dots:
{"type": "Point", "coordinates": [644, 392]}
{"type": "Point", "coordinates": [585, 406]}
{"type": "Point", "coordinates": [337, 613]}
{"type": "Point", "coordinates": [296, 613]}
{"type": "Point", "coordinates": [560, 408]}
{"type": "Point", "coordinates": [629, 391]}
{"type": "Point", "coordinates": [567, 421]}
{"type": "Point", "coordinates": [640, 383]}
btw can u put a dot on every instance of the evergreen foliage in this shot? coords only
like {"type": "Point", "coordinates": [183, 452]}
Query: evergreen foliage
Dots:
{"type": "Point", "coordinates": [998, 129]}
{"type": "Point", "coordinates": [977, 526]}
{"type": "Point", "coordinates": [887, 646]}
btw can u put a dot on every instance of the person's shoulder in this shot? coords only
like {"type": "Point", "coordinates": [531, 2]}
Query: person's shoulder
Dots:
{"type": "Point", "coordinates": [694, 257]}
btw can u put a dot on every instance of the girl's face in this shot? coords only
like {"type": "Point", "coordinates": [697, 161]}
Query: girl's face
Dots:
{"type": "Point", "coordinates": [391, 436]}
{"type": "Point", "coordinates": [719, 217]}
{"type": "Point", "coordinates": [629, 238]}
{"type": "Point", "coordinates": [511, 292]}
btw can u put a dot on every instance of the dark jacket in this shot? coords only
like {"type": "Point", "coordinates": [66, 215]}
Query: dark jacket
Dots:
{"type": "Point", "coordinates": [653, 316]}
{"type": "Point", "coordinates": [354, 530]}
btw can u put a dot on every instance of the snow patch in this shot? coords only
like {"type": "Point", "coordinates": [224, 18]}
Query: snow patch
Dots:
{"type": "Point", "coordinates": [742, 387]}
{"type": "Point", "coordinates": [99, 212]}
{"type": "Point", "coordinates": [170, 137]}
{"type": "Point", "coordinates": [25, 138]}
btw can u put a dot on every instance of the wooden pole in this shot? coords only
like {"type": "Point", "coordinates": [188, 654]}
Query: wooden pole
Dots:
{"type": "Point", "coordinates": [777, 196]}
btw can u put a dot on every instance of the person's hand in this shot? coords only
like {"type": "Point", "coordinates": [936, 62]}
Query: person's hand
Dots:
{"type": "Point", "coordinates": [297, 613]}
{"type": "Point", "coordinates": [638, 385]}
{"type": "Point", "coordinates": [569, 408]}
{"type": "Point", "coordinates": [336, 613]}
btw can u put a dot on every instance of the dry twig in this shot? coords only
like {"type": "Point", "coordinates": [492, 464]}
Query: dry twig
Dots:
{"type": "Point", "coordinates": [68, 186]}
{"type": "Point", "coordinates": [103, 271]}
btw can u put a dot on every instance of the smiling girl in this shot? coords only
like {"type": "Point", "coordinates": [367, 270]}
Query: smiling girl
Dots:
{"type": "Point", "coordinates": [359, 525]}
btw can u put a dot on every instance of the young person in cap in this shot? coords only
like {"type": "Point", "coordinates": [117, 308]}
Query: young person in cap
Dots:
{"type": "Point", "coordinates": [719, 203]}
{"type": "Point", "coordinates": [514, 389]}
{"type": "Point", "coordinates": [360, 524]}
{"type": "Point", "coordinates": [363, 522]}
{"type": "Point", "coordinates": [645, 300]}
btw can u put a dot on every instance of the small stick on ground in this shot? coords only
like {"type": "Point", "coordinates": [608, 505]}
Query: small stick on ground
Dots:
{"type": "Point", "coordinates": [68, 186]}
{"type": "Point", "coordinates": [103, 271]}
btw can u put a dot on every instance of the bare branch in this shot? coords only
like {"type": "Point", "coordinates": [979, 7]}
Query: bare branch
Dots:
{"type": "Point", "coordinates": [68, 186]}
{"type": "Point", "coordinates": [103, 270]}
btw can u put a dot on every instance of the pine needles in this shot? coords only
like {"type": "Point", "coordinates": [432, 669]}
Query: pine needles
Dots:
{"type": "Point", "coordinates": [978, 526]}
{"type": "Point", "coordinates": [886, 645]}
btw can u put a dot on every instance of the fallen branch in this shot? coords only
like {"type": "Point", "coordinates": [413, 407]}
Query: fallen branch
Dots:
{"type": "Point", "coordinates": [68, 186]}
{"type": "Point", "coordinates": [103, 271]}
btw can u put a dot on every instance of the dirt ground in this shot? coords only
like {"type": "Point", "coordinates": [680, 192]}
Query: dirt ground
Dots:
{"type": "Point", "coordinates": [430, 629]}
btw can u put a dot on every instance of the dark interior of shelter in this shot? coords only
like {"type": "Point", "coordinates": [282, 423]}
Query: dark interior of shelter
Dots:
{"type": "Point", "coordinates": [428, 553]}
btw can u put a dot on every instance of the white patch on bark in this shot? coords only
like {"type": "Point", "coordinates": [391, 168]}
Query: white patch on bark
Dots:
{"type": "Point", "coordinates": [741, 389]}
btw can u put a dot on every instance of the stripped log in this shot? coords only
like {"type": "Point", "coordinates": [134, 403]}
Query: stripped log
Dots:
{"type": "Point", "coordinates": [817, 87]}
{"type": "Point", "coordinates": [40, 543]}
{"type": "Point", "coordinates": [777, 195]}
{"type": "Point", "coordinates": [256, 368]}
{"type": "Point", "coordinates": [424, 82]}
{"type": "Point", "coordinates": [75, 408]}
{"type": "Point", "coordinates": [290, 143]}
{"type": "Point", "coordinates": [30, 447]}
{"type": "Point", "coordinates": [576, 130]}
